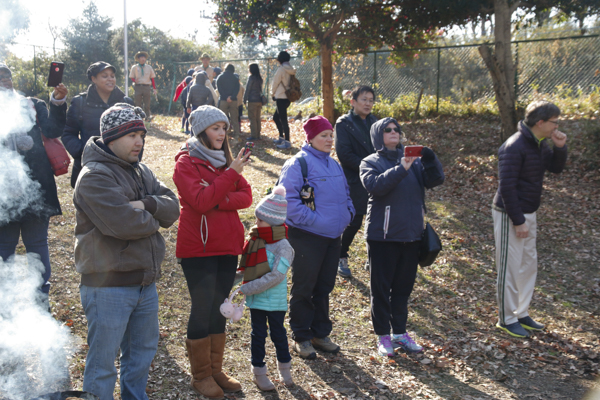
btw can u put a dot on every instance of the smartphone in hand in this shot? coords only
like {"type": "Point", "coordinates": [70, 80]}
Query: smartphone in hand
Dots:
{"type": "Point", "coordinates": [248, 148]}
{"type": "Point", "coordinates": [56, 73]}
{"type": "Point", "coordinates": [413, 151]}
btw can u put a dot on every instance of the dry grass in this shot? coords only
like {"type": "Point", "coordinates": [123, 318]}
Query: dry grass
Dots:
{"type": "Point", "coordinates": [452, 311]}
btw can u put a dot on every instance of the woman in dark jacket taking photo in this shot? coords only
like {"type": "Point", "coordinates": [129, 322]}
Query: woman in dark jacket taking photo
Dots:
{"type": "Point", "coordinates": [83, 117]}
{"type": "Point", "coordinates": [396, 186]}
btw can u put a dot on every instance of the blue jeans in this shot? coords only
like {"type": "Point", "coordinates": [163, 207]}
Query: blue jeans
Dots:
{"type": "Point", "coordinates": [126, 318]}
{"type": "Point", "coordinates": [275, 320]}
{"type": "Point", "coordinates": [35, 238]}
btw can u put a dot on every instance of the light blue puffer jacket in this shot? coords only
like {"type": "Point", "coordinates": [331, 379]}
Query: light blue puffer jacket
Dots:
{"type": "Point", "coordinates": [280, 256]}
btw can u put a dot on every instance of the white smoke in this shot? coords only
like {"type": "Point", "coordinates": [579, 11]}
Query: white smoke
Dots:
{"type": "Point", "coordinates": [18, 192]}
{"type": "Point", "coordinates": [33, 345]}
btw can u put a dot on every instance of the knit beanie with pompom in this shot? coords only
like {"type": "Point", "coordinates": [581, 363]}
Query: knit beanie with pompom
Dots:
{"type": "Point", "coordinates": [273, 208]}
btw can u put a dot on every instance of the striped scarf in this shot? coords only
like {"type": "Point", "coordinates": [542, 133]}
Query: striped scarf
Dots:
{"type": "Point", "coordinates": [254, 263]}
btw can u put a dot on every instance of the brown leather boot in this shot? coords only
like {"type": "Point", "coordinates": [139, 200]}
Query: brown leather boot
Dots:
{"type": "Point", "coordinates": [202, 381]}
{"type": "Point", "coordinates": [217, 347]}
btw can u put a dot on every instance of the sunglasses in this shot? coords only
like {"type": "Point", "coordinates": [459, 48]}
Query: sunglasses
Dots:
{"type": "Point", "coordinates": [388, 130]}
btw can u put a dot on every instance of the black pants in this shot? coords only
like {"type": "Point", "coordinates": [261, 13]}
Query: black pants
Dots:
{"type": "Point", "coordinates": [281, 118]}
{"type": "Point", "coordinates": [349, 233]}
{"type": "Point", "coordinates": [209, 281]}
{"type": "Point", "coordinates": [313, 277]}
{"type": "Point", "coordinates": [184, 119]}
{"type": "Point", "coordinates": [393, 272]}
{"type": "Point", "coordinates": [75, 171]}
{"type": "Point", "coordinates": [275, 319]}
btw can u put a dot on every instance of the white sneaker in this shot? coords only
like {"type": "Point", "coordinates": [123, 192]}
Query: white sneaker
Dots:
{"type": "Point", "coordinates": [384, 346]}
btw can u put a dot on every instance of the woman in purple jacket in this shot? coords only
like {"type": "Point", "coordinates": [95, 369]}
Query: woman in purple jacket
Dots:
{"type": "Point", "coordinates": [315, 229]}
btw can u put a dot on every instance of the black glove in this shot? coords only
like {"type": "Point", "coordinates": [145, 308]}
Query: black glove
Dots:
{"type": "Point", "coordinates": [427, 155]}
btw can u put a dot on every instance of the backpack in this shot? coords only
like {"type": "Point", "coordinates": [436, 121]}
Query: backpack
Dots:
{"type": "Point", "coordinates": [293, 93]}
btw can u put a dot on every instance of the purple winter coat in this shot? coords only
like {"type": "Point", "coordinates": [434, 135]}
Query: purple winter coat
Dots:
{"type": "Point", "coordinates": [522, 163]}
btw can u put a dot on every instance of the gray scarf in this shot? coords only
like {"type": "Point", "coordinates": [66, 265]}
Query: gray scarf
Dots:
{"type": "Point", "coordinates": [215, 157]}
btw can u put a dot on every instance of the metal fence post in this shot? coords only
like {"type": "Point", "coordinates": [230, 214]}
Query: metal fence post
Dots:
{"type": "Point", "coordinates": [437, 88]}
{"type": "Point", "coordinates": [34, 73]}
{"type": "Point", "coordinates": [516, 72]}
{"type": "Point", "coordinates": [268, 77]}
{"type": "Point", "coordinates": [320, 83]}
{"type": "Point", "coordinates": [172, 87]}
{"type": "Point", "coordinates": [374, 68]}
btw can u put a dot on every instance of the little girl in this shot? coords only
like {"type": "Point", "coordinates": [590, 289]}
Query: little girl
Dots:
{"type": "Point", "coordinates": [266, 257]}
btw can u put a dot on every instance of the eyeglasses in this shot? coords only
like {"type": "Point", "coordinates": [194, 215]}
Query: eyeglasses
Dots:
{"type": "Point", "coordinates": [367, 101]}
{"type": "Point", "coordinates": [388, 130]}
{"type": "Point", "coordinates": [554, 122]}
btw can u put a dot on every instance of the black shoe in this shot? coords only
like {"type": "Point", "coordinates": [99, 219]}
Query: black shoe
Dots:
{"type": "Point", "coordinates": [515, 330]}
{"type": "Point", "coordinates": [529, 324]}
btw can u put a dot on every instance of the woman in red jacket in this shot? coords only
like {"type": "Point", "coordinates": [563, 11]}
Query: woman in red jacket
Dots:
{"type": "Point", "coordinates": [210, 237]}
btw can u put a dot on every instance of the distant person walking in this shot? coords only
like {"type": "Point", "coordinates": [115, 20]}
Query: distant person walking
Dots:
{"type": "Point", "coordinates": [281, 81]}
{"type": "Point", "coordinates": [522, 162]}
{"type": "Point", "coordinates": [198, 93]}
{"type": "Point", "coordinates": [184, 97]}
{"type": "Point", "coordinates": [210, 73]}
{"type": "Point", "coordinates": [142, 75]}
{"type": "Point", "coordinates": [396, 186]}
{"type": "Point", "coordinates": [253, 99]}
{"type": "Point", "coordinates": [25, 142]}
{"type": "Point", "coordinates": [229, 87]}
{"type": "Point", "coordinates": [83, 117]}
{"type": "Point", "coordinates": [352, 144]}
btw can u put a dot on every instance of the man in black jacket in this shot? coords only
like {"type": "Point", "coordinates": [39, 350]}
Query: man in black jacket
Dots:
{"type": "Point", "coordinates": [522, 162]}
{"type": "Point", "coordinates": [229, 86]}
{"type": "Point", "coordinates": [352, 144]}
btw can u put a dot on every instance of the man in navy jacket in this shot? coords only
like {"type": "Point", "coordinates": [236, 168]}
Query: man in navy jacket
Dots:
{"type": "Point", "coordinates": [522, 162]}
{"type": "Point", "coordinates": [229, 86]}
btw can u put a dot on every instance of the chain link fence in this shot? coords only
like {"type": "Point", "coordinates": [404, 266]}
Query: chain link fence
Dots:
{"type": "Point", "coordinates": [455, 73]}
{"type": "Point", "coordinates": [565, 66]}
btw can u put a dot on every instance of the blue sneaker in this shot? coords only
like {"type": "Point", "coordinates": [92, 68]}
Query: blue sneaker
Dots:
{"type": "Point", "coordinates": [406, 343]}
{"type": "Point", "coordinates": [529, 324]}
{"type": "Point", "coordinates": [278, 141]}
{"type": "Point", "coordinates": [284, 145]}
{"type": "Point", "coordinates": [385, 347]}
{"type": "Point", "coordinates": [343, 269]}
{"type": "Point", "coordinates": [514, 330]}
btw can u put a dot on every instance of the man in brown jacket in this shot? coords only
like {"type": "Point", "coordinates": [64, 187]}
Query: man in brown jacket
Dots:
{"type": "Point", "coordinates": [120, 207]}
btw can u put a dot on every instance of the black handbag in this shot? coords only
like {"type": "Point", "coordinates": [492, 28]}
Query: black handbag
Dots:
{"type": "Point", "coordinates": [431, 245]}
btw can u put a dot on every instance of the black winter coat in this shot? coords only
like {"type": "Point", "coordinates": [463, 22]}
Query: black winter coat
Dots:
{"type": "Point", "coordinates": [352, 144]}
{"type": "Point", "coordinates": [51, 123]}
{"type": "Point", "coordinates": [83, 124]}
{"type": "Point", "coordinates": [253, 91]}
{"type": "Point", "coordinates": [199, 95]}
{"type": "Point", "coordinates": [522, 163]}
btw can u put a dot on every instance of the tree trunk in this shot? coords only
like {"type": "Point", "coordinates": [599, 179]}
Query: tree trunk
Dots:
{"type": "Point", "coordinates": [501, 67]}
{"type": "Point", "coordinates": [327, 81]}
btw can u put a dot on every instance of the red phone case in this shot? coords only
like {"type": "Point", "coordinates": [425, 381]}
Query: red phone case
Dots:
{"type": "Point", "coordinates": [413, 151]}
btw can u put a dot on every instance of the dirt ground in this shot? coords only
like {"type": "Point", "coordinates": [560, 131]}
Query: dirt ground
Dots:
{"type": "Point", "coordinates": [452, 309]}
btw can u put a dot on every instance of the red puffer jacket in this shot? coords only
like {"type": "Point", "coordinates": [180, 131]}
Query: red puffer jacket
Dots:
{"type": "Point", "coordinates": [209, 224]}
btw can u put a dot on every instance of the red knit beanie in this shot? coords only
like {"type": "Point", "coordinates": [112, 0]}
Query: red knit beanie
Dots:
{"type": "Point", "coordinates": [316, 125]}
